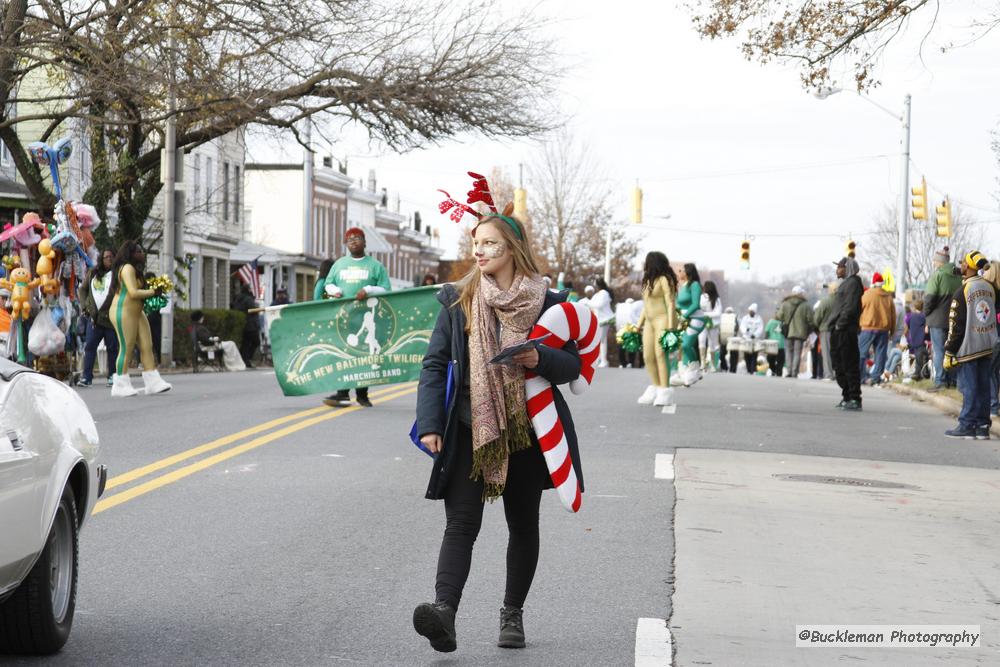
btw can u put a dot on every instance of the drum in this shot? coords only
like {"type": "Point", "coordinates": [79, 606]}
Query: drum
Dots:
{"type": "Point", "coordinates": [737, 344]}
{"type": "Point", "coordinates": [768, 347]}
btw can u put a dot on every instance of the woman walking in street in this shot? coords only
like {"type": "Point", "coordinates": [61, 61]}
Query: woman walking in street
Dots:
{"type": "Point", "coordinates": [659, 314]}
{"type": "Point", "coordinates": [689, 308]}
{"type": "Point", "coordinates": [130, 323]}
{"type": "Point", "coordinates": [480, 433]}
{"type": "Point", "coordinates": [600, 303]}
{"type": "Point", "coordinates": [708, 339]}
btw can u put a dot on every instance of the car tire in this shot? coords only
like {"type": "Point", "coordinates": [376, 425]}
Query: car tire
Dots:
{"type": "Point", "coordinates": [37, 618]}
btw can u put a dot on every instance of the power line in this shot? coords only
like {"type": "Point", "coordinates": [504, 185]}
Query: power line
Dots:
{"type": "Point", "coordinates": [766, 170]}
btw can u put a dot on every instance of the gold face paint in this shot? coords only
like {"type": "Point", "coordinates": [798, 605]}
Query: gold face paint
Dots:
{"type": "Point", "coordinates": [490, 248]}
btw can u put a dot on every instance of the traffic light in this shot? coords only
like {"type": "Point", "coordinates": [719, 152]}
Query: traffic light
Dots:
{"type": "Point", "coordinates": [637, 204]}
{"type": "Point", "coordinates": [944, 218]}
{"type": "Point", "coordinates": [919, 202]}
{"type": "Point", "coordinates": [745, 254]}
{"type": "Point", "coordinates": [851, 246]}
{"type": "Point", "coordinates": [521, 204]}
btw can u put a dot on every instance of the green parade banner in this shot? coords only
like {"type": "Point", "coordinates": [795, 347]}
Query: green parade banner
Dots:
{"type": "Point", "coordinates": [323, 346]}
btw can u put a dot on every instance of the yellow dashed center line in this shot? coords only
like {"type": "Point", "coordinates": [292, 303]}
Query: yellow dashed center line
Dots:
{"type": "Point", "coordinates": [180, 473]}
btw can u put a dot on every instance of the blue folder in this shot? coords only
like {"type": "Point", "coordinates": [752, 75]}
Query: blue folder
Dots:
{"type": "Point", "coordinates": [449, 389]}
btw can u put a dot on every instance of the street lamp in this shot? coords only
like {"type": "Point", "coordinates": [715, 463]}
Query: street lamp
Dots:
{"type": "Point", "coordinates": [824, 93]}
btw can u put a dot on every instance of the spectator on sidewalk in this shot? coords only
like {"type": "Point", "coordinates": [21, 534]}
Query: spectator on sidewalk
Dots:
{"type": "Point", "coordinates": [992, 276]}
{"type": "Point", "coordinates": [772, 331]}
{"type": "Point", "coordinates": [796, 325]}
{"type": "Point", "coordinates": [245, 302]}
{"type": "Point", "coordinates": [844, 335]}
{"type": "Point", "coordinates": [937, 301]}
{"type": "Point", "coordinates": [600, 302]}
{"type": "Point", "coordinates": [916, 337]}
{"type": "Point", "coordinates": [95, 299]}
{"type": "Point", "coordinates": [972, 334]}
{"type": "Point", "coordinates": [823, 317]}
{"type": "Point", "coordinates": [878, 319]}
{"type": "Point", "coordinates": [281, 297]}
{"type": "Point", "coordinates": [751, 330]}
{"type": "Point", "coordinates": [231, 357]}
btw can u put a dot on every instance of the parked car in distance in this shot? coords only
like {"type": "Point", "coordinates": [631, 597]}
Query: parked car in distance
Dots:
{"type": "Point", "coordinates": [50, 480]}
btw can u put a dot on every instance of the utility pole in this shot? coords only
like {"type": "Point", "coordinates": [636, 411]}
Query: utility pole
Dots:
{"type": "Point", "coordinates": [307, 189]}
{"type": "Point", "coordinates": [904, 202]}
{"type": "Point", "coordinates": [168, 164]}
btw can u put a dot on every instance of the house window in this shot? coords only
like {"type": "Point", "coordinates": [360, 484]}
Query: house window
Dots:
{"type": "Point", "coordinates": [237, 187]}
{"type": "Point", "coordinates": [4, 155]}
{"type": "Point", "coordinates": [225, 192]}
{"type": "Point", "coordinates": [209, 184]}
{"type": "Point", "coordinates": [196, 200]}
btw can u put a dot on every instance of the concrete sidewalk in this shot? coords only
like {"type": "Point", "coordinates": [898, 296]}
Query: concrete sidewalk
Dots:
{"type": "Point", "coordinates": [758, 552]}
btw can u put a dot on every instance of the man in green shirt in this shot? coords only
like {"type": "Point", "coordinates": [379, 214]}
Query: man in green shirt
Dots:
{"type": "Point", "coordinates": [356, 276]}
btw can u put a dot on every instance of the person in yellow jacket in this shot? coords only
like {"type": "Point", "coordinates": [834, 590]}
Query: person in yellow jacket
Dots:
{"type": "Point", "coordinates": [130, 323]}
{"type": "Point", "coordinates": [878, 319]}
{"type": "Point", "coordinates": [659, 314]}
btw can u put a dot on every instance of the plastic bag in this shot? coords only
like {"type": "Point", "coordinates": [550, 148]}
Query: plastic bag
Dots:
{"type": "Point", "coordinates": [45, 338]}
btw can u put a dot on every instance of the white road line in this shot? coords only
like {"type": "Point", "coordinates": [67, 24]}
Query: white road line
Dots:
{"type": "Point", "coordinates": [652, 643]}
{"type": "Point", "coordinates": [664, 466]}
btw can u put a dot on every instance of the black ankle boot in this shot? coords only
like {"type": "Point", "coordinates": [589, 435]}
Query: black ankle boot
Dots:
{"type": "Point", "coordinates": [511, 628]}
{"type": "Point", "coordinates": [437, 623]}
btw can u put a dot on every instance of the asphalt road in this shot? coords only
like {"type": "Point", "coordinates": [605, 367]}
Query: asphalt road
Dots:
{"type": "Point", "coordinates": [246, 528]}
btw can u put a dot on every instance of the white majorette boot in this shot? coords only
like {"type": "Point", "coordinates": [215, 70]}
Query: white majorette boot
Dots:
{"type": "Point", "coordinates": [677, 379]}
{"type": "Point", "coordinates": [154, 383]}
{"type": "Point", "coordinates": [664, 396]}
{"type": "Point", "coordinates": [692, 373]}
{"type": "Point", "coordinates": [669, 406]}
{"type": "Point", "coordinates": [121, 385]}
{"type": "Point", "coordinates": [648, 395]}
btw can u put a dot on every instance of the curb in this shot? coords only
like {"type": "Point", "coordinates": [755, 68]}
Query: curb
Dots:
{"type": "Point", "coordinates": [943, 403]}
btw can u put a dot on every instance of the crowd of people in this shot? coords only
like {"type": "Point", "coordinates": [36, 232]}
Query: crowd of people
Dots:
{"type": "Point", "coordinates": [855, 334]}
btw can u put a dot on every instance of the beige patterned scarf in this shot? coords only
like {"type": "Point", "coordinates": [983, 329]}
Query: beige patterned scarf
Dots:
{"type": "Point", "coordinates": [500, 424]}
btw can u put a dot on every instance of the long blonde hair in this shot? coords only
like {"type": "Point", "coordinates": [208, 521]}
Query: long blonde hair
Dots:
{"type": "Point", "coordinates": [524, 262]}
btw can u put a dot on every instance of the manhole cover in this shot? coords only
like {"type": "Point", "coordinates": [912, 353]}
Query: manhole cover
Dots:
{"type": "Point", "coordinates": [847, 481]}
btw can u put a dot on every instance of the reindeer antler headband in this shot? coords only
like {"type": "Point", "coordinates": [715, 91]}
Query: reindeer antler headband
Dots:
{"type": "Point", "coordinates": [480, 192]}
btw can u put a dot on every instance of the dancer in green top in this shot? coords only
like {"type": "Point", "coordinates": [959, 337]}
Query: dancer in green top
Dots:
{"type": "Point", "coordinates": [689, 308]}
{"type": "Point", "coordinates": [357, 276]}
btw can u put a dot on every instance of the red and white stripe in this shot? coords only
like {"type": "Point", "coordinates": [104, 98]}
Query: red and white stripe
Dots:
{"type": "Point", "coordinates": [562, 323]}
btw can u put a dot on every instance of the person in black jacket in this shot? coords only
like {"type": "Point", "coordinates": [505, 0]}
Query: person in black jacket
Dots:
{"type": "Point", "coordinates": [244, 302]}
{"type": "Point", "coordinates": [480, 433]}
{"type": "Point", "coordinates": [845, 319]}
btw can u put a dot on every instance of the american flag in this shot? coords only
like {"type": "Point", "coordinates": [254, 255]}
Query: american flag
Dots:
{"type": "Point", "coordinates": [248, 274]}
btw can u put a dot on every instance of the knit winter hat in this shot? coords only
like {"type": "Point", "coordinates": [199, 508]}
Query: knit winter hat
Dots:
{"type": "Point", "coordinates": [877, 279]}
{"type": "Point", "coordinates": [943, 255]}
{"type": "Point", "coordinates": [798, 290]}
{"type": "Point", "coordinates": [976, 260]}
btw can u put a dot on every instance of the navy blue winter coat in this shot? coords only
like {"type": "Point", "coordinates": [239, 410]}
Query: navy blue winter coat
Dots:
{"type": "Point", "coordinates": [449, 342]}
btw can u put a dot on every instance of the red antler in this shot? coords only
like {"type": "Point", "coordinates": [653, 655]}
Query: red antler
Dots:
{"type": "Point", "coordinates": [480, 191]}
{"type": "Point", "coordinates": [460, 208]}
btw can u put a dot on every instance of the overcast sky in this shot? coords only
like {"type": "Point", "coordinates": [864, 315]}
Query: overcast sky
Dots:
{"type": "Point", "coordinates": [699, 127]}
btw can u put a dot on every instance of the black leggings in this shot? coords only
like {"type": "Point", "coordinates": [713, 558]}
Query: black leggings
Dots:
{"type": "Point", "coordinates": [463, 506]}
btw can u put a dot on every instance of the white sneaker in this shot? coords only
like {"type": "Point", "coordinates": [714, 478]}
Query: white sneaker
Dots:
{"type": "Point", "coordinates": [121, 385]}
{"type": "Point", "coordinates": [692, 374]}
{"type": "Point", "coordinates": [664, 396]}
{"type": "Point", "coordinates": [677, 379]}
{"type": "Point", "coordinates": [648, 395]}
{"type": "Point", "coordinates": [153, 383]}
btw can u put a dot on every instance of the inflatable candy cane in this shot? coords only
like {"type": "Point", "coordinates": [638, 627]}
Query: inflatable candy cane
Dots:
{"type": "Point", "coordinates": [561, 323]}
